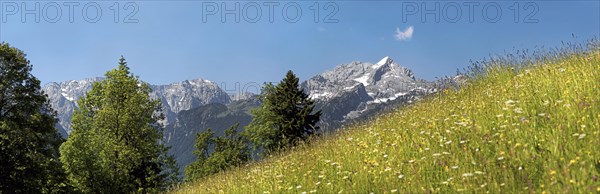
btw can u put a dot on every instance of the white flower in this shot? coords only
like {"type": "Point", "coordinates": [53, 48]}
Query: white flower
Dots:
{"type": "Point", "coordinates": [509, 102]}
{"type": "Point", "coordinates": [401, 176]}
{"type": "Point", "coordinates": [467, 174]}
{"type": "Point", "coordinates": [518, 110]}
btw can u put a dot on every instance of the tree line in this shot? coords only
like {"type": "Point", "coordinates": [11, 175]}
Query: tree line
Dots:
{"type": "Point", "coordinates": [116, 144]}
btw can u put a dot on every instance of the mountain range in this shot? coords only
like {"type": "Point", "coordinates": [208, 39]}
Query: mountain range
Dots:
{"type": "Point", "coordinates": [349, 93]}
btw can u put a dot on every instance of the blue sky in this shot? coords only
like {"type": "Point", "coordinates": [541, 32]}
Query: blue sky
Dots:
{"type": "Point", "coordinates": [170, 41]}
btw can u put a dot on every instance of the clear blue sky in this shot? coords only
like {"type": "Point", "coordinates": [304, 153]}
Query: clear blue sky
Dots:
{"type": "Point", "coordinates": [171, 41]}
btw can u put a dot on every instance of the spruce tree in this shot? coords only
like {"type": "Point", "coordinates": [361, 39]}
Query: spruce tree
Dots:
{"type": "Point", "coordinates": [285, 117]}
{"type": "Point", "coordinates": [28, 139]}
{"type": "Point", "coordinates": [115, 145]}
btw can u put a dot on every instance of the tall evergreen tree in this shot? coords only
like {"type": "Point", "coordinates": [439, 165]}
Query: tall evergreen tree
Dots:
{"type": "Point", "coordinates": [285, 117]}
{"type": "Point", "coordinates": [115, 145]}
{"type": "Point", "coordinates": [28, 140]}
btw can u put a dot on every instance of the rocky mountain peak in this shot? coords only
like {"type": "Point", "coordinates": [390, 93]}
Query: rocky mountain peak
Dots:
{"type": "Point", "coordinates": [175, 97]}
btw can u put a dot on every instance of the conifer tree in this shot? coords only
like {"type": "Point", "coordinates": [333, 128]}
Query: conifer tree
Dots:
{"type": "Point", "coordinates": [285, 117]}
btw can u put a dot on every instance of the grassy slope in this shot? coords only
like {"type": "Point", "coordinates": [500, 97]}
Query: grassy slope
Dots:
{"type": "Point", "coordinates": [531, 130]}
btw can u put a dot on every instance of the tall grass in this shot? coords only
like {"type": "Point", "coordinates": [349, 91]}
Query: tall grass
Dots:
{"type": "Point", "coordinates": [528, 124]}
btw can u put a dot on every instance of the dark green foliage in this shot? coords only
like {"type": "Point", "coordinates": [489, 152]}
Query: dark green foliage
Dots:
{"type": "Point", "coordinates": [229, 150]}
{"type": "Point", "coordinates": [218, 117]}
{"type": "Point", "coordinates": [28, 140]}
{"type": "Point", "coordinates": [115, 145]}
{"type": "Point", "coordinates": [285, 117]}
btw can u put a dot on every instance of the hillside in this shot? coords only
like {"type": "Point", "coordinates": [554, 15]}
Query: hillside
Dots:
{"type": "Point", "coordinates": [531, 129]}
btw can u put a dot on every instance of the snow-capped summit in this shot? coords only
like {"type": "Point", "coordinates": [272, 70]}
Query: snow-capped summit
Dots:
{"type": "Point", "coordinates": [385, 60]}
{"type": "Point", "coordinates": [383, 82]}
{"type": "Point", "coordinates": [384, 79]}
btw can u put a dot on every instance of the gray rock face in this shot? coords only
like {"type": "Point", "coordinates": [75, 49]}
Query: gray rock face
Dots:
{"type": "Point", "coordinates": [63, 99]}
{"type": "Point", "coordinates": [175, 97]}
{"type": "Point", "coordinates": [186, 95]}
{"type": "Point", "coordinates": [359, 89]}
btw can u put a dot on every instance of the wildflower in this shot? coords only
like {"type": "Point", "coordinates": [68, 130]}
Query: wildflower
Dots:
{"type": "Point", "coordinates": [509, 102]}
{"type": "Point", "coordinates": [436, 154]}
{"type": "Point", "coordinates": [561, 69]}
{"type": "Point", "coordinates": [448, 142]}
{"type": "Point", "coordinates": [572, 162]}
{"type": "Point", "coordinates": [467, 174]}
{"type": "Point", "coordinates": [500, 158]}
{"type": "Point", "coordinates": [454, 167]}
{"type": "Point", "coordinates": [518, 110]}
{"type": "Point", "coordinates": [581, 136]}
{"type": "Point", "coordinates": [401, 176]}
{"type": "Point", "coordinates": [478, 172]}
{"type": "Point", "coordinates": [299, 187]}
{"type": "Point", "coordinates": [394, 190]}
